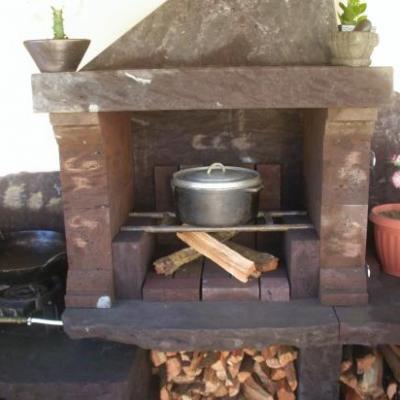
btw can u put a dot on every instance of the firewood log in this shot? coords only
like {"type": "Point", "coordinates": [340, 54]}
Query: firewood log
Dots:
{"type": "Point", "coordinates": [365, 359]}
{"type": "Point", "coordinates": [264, 262]}
{"type": "Point", "coordinates": [158, 358]}
{"type": "Point", "coordinates": [268, 384]}
{"type": "Point", "coordinates": [246, 369]}
{"type": "Point", "coordinates": [370, 381]}
{"type": "Point", "coordinates": [174, 368]}
{"type": "Point", "coordinates": [291, 376]}
{"type": "Point", "coordinates": [350, 394]}
{"type": "Point", "coordinates": [392, 389]}
{"type": "Point", "coordinates": [284, 392]}
{"type": "Point", "coordinates": [270, 352]}
{"type": "Point", "coordinates": [350, 381]}
{"type": "Point", "coordinates": [278, 374]}
{"type": "Point", "coordinates": [396, 350]}
{"type": "Point", "coordinates": [211, 381]}
{"type": "Point", "coordinates": [231, 261]}
{"type": "Point", "coordinates": [392, 360]}
{"type": "Point", "coordinates": [253, 391]}
{"type": "Point", "coordinates": [168, 265]}
{"type": "Point", "coordinates": [165, 394]}
{"type": "Point", "coordinates": [347, 362]}
{"type": "Point", "coordinates": [250, 352]}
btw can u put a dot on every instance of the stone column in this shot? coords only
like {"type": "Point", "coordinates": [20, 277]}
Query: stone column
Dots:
{"type": "Point", "coordinates": [336, 168]}
{"type": "Point", "coordinates": [96, 169]}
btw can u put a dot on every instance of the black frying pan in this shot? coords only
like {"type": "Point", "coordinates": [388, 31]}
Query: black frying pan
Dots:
{"type": "Point", "coordinates": [27, 255]}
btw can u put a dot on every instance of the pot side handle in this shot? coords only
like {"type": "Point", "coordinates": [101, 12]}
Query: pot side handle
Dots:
{"type": "Point", "coordinates": [254, 190]}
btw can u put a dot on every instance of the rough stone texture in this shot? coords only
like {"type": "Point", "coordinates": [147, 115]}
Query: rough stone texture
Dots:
{"type": "Point", "coordinates": [302, 255]}
{"type": "Point", "coordinates": [31, 201]}
{"type": "Point", "coordinates": [97, 182]}
{"type": "Point", "coordinates": [318, 372]}
{"type": "Point", "coordinates": [212, 88]}
{"type": "Point", "coordinates": [45, 364]}
{"type": "Point", "coordinates": [207, 325]}
{"type": "Point", "coordinates": [274, 286]}
{"type": "Point", "coordinates": [132, 255]}
{"type": "Point", "coordinates": [184, 285]}
{"type": "Point", "coordinates": [337, 143]}
{"type": "Point", "coordinates": [249, 32]}
{"type": "Point", "coordinates": [219, 285]}
{"type": "Point", "coordinates": [379, 322]}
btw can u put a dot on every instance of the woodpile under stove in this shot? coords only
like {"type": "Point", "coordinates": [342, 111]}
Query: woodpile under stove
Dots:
{"type": "Point", "coordinates": [269, 374]}
{"type": "Point", "coordinates": [371, 373]}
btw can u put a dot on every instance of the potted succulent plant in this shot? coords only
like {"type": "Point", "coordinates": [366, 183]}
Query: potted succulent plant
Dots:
{"type": "Point", "coordinates": [386, 219]}
{"type": "Point", "coordinates": [59, 54]}
{"type": "Point", "coordinates": [352, 45]}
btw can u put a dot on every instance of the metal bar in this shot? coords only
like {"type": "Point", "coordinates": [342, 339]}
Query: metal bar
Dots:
{"type": "Point", "coordinates": [30, 321]}
{"type": "Point", "coordinates": [160, 215]}
{"type": "Point", "coordinates": [240, 228]}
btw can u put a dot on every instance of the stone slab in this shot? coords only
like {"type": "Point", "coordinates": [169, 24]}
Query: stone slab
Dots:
{"type": "Point", "coordinates": [318, 372]}
{"type": "Point", "coordinates": [302, 260]}
{"type": "Point", "coordinates": [212, 88]}
{"type": "Point", "coordinates": [46, 364]}
{"type": "Point", "coordinates": [184, 285]}
{"type": "Point", "coordinates": [274, 286]}
{"type": "Point", "coordinates": [219, 285]}
{"type": "Point", "coordinates": [207, 325]}
{"type": "Point", "coordinates": [132, 255]}
{"type": "Point", "coordinates": [249, 32]}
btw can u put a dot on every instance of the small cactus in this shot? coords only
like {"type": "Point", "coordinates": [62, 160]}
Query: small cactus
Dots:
{"type": "Point", "coordinates": [353, 12]}
{"type": "Point", "coordinates": [58, 24]}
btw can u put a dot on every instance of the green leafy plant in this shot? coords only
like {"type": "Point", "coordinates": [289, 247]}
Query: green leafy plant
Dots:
{"type": "Point", "coordinates": [353, 12]}
{"type": "Point", "coordinates": [58, 23]}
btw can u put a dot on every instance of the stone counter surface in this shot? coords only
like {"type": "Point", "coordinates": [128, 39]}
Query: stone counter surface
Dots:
{"type": "Point", "coordinates": [212, 88]}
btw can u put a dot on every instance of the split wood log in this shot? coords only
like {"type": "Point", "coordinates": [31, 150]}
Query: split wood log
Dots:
{"type": "Point", "coordinates": [239, 374]}
{"type": "Point", "coordinates": [158, 358]}
{"type": "Point", "coordinates": [264, 262]}
{"type": "Point", "coordinates": [371, 379]}
{"type": "Point", "coordinates": [263, 375]}
{"type": "Point", "coordinates": [231, 261]}
{"type": "Point", "coordinates": [284, 392]}
{"type": "Point", "coordinates": [168, 265]}
{"type": "Point", "coordinates": [392, 360]}
{"type": "Point", "coordinates": [392, 389]}
{"type": "Point", "coordinates": [253, 391]}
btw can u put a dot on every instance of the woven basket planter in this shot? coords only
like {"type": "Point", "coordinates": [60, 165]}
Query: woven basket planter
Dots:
{"type": "Point", "coordinates": [353, 49]}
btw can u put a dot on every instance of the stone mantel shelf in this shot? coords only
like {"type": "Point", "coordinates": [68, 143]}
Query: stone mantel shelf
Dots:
{"type": "Point", "coordinates": [212, 88]}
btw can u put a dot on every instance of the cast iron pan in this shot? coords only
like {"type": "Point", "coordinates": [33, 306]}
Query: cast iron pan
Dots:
{"type": "Point", "coordinates": [28, 255]}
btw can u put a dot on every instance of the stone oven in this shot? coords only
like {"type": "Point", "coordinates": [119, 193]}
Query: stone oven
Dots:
{"type": "Point", "coordinates": [239, 82]}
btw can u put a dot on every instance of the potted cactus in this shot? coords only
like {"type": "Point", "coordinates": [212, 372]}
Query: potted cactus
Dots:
{"type": "Point", "coordinates": [59, 54]}
{"type": "Point", "coordinates": [352, 45]}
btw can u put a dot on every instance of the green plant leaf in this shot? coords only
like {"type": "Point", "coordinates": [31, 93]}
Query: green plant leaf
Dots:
{"type": "Point", "coordinates": [362, 18]}
{"type": "Point", "coordinates": [362, 8]}
{"type": "Point", "coordinates": [342, 6]}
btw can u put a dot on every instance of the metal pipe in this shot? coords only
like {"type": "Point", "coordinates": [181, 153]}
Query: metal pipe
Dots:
{"type": "Point", "coordinates": [239, 228]}
{"type": "Point", "coordinates": [30, 321]}
{"type": "Point", "coordinates": [160, 215]}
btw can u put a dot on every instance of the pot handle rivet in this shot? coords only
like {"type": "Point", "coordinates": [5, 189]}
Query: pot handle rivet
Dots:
{"type": "Point", "coordinates": [216, 166]}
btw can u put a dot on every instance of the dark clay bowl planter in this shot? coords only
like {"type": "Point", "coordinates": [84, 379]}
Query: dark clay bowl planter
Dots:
{"type": "Point", "coordinates": [353, 49]}
{"type": "Point", "coordinates": [52, 55]}
{"type": "Point", "coordinates": [387, 237]}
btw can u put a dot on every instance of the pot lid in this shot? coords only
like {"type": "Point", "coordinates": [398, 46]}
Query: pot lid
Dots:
{"type": "Point", "coordinates": [216, 176]}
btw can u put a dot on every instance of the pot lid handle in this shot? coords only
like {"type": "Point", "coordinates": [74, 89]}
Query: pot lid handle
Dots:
{"type": "Point", "coordinates": [215, 166]}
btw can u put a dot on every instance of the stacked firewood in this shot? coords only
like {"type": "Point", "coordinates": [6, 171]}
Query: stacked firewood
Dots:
{"type": "Point", "coordinates": [240, 261]}
{"type": "Point", "coordinates": [269, 374]}
{"type": "Point", "coordinates": [371, 373]}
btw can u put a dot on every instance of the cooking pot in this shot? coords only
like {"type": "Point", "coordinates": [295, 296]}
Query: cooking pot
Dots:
{"type": "Point", "coordinates": [216, 196]}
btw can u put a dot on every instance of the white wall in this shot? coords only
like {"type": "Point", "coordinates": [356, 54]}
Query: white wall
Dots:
{"type": "Point", "coordinates": [26, 139]}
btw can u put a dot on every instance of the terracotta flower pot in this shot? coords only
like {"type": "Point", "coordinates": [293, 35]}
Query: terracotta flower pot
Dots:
{"type": "Point", "coordinates": [387, 237]}
{"type": "Point", "coordinates": [353, 49]}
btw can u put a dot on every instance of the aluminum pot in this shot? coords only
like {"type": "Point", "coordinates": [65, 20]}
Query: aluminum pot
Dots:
{"type": "Point", "coordinates": [216, 196]}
